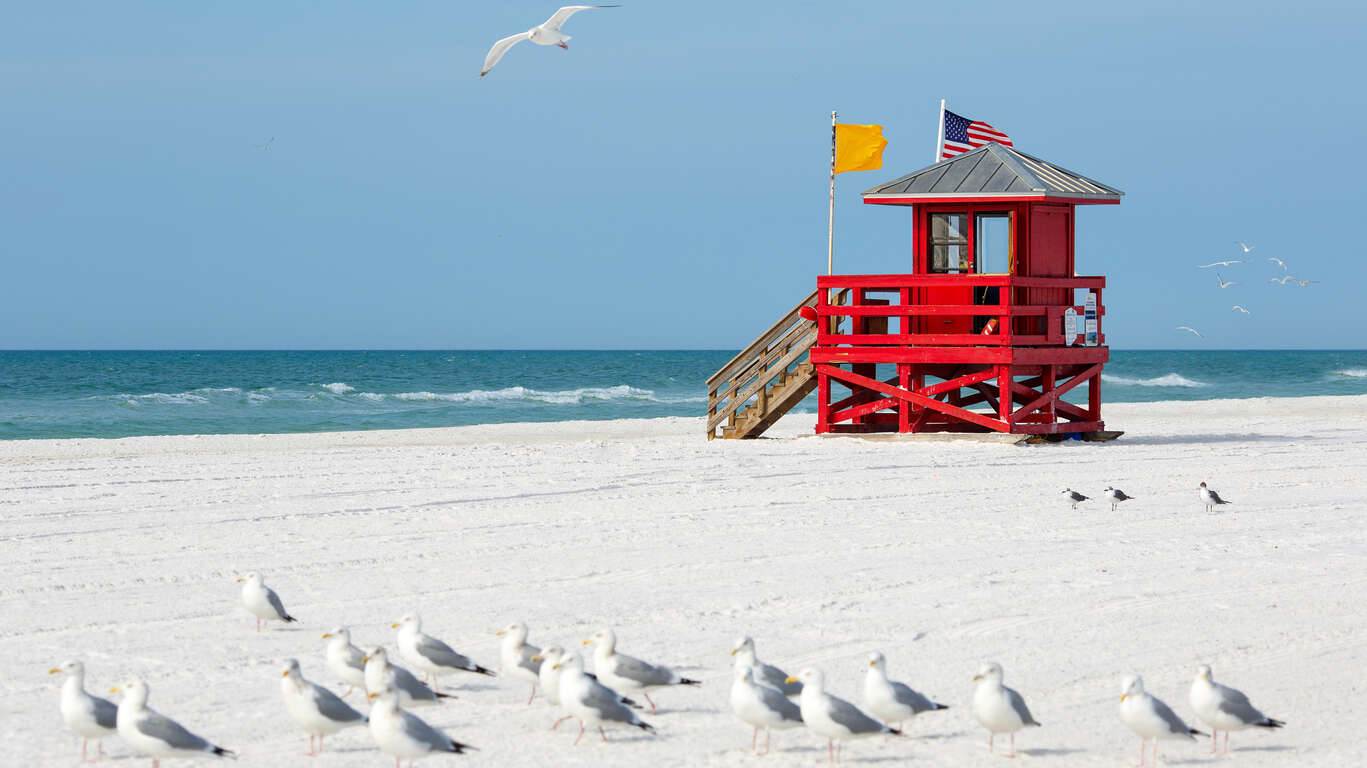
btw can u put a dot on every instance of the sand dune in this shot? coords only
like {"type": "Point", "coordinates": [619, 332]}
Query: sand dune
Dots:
{"type": "Point", "coordinates": [123, 553]}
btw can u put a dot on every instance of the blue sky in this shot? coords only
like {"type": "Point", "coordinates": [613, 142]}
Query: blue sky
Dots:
{"type": "Point", "coordinates": [662, 183]}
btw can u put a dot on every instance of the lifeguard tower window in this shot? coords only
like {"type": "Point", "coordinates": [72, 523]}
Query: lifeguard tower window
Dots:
{"type": "Point", "coordinates": [949, 243]}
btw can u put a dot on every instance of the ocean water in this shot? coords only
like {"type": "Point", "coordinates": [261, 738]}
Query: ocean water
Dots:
{"type": "Point", "coordinates": [120, 394]}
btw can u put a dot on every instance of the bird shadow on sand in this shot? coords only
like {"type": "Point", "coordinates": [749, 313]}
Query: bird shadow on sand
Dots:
{"type": "Point", "coordinates": [1045, 752]}
{"type": "Point", "coordinates": [673, 710]}
{"type": "Point", "coordinates": [471, 687]}
{"type": "Point", "coordinates": [1206, 757]}
{"type": "Point", "coordinates": [913, 737]}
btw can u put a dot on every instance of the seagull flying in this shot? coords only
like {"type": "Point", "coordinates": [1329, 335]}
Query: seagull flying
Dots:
{"type": "Point", "coordinates": [1189, 328]}
{"type": "Point", "coordinates": [545, 34]}
{"type": "Point", "coordinates": [1303, 283]}
{"type": "Point", "coordinates": [1238, 308]}
{"type": "Point", "coordinates": [1278, 262]}
{"type": "Point", "coordinates": [1222, 263]}
{"type": "Point", "coordinates": [1244, 245]}
{"type": "Point", "coordinates": [1223, 284]}
{"type": "Point", "coordinates": [266, 146]}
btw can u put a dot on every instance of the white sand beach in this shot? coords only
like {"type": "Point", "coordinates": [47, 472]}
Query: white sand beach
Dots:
{"type": "Point", "coordinates": [941, 554]}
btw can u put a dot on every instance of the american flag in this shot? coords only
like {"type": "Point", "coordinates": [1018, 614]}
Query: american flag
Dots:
{"type": "Point", "coordinates": [962, 134]}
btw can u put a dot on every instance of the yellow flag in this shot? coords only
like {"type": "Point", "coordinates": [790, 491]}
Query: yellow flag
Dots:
{"type": "Point", "coordinates": [858, 147]}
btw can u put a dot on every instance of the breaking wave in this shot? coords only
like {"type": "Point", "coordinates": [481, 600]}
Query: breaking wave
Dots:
{"type": "Point", "coordinates": [1351, 373]}
{"type": "Point", "coordinates": [622, 392]}
{"type": "Point", "coordinates": [1170, 380]}
{"type": "Point", "coordinates": [338, 388]}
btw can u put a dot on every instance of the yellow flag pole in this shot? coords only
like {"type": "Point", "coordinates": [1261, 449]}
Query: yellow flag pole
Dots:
{"type": "Point", "coordinates": [830, 230]}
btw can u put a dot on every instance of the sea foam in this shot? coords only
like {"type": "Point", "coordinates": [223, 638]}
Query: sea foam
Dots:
{"type": "Point", "coordinates": [1169, 380]}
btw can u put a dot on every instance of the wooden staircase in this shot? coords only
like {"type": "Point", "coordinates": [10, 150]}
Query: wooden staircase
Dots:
{"type": "Point", "coordinates": [765, 380]}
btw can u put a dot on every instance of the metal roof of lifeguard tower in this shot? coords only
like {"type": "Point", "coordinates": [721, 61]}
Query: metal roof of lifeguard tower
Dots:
{"type": "Point", "coordinates": [994, 172]}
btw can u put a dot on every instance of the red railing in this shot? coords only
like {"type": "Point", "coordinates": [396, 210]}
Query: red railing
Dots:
{"type": "Point", "coordinates": [1028, 311]}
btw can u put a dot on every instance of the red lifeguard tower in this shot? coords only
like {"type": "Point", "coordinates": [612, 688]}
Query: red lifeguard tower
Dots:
{"type": "Point", "coordinates": [978, 338]}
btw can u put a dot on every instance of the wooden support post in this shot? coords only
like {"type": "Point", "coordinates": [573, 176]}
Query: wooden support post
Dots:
{"type": "Point", "coordinates": [1048, 380]}
{"type": "Point", "coordinates": [904, 406]}
{"type": "Point", "coordinates": [1004, 393]}
{"type": "Point", "coordinates": [823, 403]}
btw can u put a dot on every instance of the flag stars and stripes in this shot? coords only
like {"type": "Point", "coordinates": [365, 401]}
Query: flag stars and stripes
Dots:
{"type": "Point", "coordinates": [963, 134]}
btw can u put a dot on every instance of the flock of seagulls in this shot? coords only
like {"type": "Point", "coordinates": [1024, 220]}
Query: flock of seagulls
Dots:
{"type": "Point", "coordinates": [1220, 280]}
{"type": "Point", "coordinates": [761, 695]}
{"type": "Point", "coordinates": [1209, 498]}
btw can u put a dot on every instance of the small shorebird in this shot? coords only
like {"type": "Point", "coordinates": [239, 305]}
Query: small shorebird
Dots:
{"type": "Point", "coordinates": [1073, 497]}
{"type": "Point", "coordinates": [1223, 263]}
{"type": "Point", "coordinates": [1224, 708]}
{"type": "Point", "coordinates": [1238, 308]}
{"type": "Point", "coordinates": [547, 33]}
{"type": "Point", "coordinates": [1224, 284]}
{"type": "Point", "coordinates": [1115, 496]}
{"type": "Point", "coordinates": [1244, 245]}
{"type": "Point", "coordinates": [1278, 262]}
{"type": "Point", "coordinates": [1189, 328]}
{"type": "Point", "coordinates": [1211, 499]}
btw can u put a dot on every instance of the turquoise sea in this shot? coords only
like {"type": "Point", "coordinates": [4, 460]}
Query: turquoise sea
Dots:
{"type": "Point", "coordinates": [119, 394]}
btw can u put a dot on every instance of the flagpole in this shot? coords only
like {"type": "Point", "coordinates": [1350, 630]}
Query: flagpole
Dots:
{"type": "Point", "coordinates": [940, 133]}
{"type": "Point", "coordinates": [830, 230]}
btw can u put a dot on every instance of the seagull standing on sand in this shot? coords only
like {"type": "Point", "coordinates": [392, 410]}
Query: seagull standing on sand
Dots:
{"type": "Point", "coordinates": [998, 708]}
{"type": "Point", "coordinates": [379, 674]}
{"type": "Point", "coordinates": [519, 659]}
{"type": "Point", "coordinates": [832, 717]}
{"type": "Point", "coordinates": [1073, 497]}
{"type": "Point", "coordinates": [314, 708]}
{"type": "Point", "coordinates": [761, 706]}
{"type": "Point", "coordinates": [262, 601]}
{"type": "Point", "coordinates": [891, 701]}
{"type": "Point", "coordinates": [622, 672]}
{"type": "Point", "coordinates": [403, 734]}
{"type": "Point", "coordinates": [429, 654]}
{"type": "Point", "coordinates": [1211, 499]}
{"type": "Point", "coordinates": [1115, 496]}
{"type": "Point", "coordinates": [549, 677]}
{"type": "Point", "coordinates": [345, 660]}
{"type": "Point", "coordinates": [91, 717]}
{"type": "Point", "coordinates": [551, 670]}
{"type": "Point", "coordinates": [148, 732]}
{"type": "Point", "coordinates": [547, 33]}
{"type": "Point", "coordinates": [591, 701]}
{"type": "Point", "coordinates": [1189, 328]}
{"type": "Point", "coordinates": [765, 674]}
{"type": "Point", "coordinates": [1224, 709]}
{"type": "Point", "coordinates": [1149, 717]}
